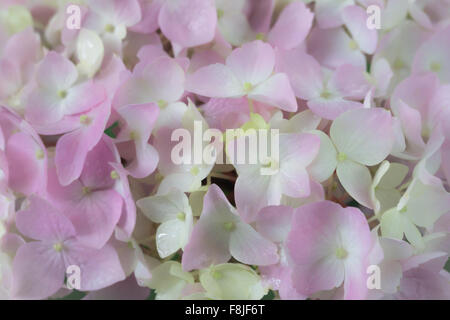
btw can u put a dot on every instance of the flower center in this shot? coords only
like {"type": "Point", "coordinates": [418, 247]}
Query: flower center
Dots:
{"type": "Point", "coordinates": [62, 94]}
{"type": "Point", "coordinates": [85, 190]}
{"type": "Point", "coordinates": [398, 64]}
{"type": "Point", "coordinates": [84, 119]}
{"type": "Point", "coordinates": [219, 13]}
{"type": "Point", "coordinates": [248, 87]}
{"type": "Point", "coordinates": [195, 171]}
{"type": "Point", "coordinates": [58, 247]}
{"type": "Point", "coordinates": [181, 216]}
{"type": "Point", "coordinates": [341, 253]}
{"type": "Point", "coordinates": [110, 28]}
{"type": "Point", "coordinates": [216, 274]}
{"type": "Point", "coordinates": [114, 175]}
{"type": "Point", "coordinates": [270, 163]}
{"type": "Point", "coordinates": [40, 154]}
{"type": "Point", "coordinates": [341, 157]}
{"type": "Point", "coordinates": [162, 104]}
{"type": "Point", "coordinates": [260, 36]}
{"type": "Point", "coordinates": [353, 45]}
{"type": "Point", "coordinates": [229, 226]}
{"type": "Point", "coordinates": [134, 135]}
{"type": "Point", "coordinates": [435, 67]}
{"type": "Point", "coordinates": [325, 95]}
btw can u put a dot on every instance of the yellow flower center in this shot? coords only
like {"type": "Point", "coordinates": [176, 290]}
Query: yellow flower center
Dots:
{"type": "Point", "coordinates": [219, 13]}
{"type": "Point", "coordinates": [40, 154]}
{"type": "Point", "coordinates": [248, 87]}
{"type": "Point", "coordinates": [398, 64]}
{"type": "Point", "coordinates": [229, 226]}
{"type": "Point", "coordinates": [58, 247]}
{"type": "Point", "coordinates": [85, 190]}
{"type": "Point", "coordinates": [260, 36]}
{"type": "Point", "coordinates": [114, 175]}
{"type": "Point", "coordinates": [341, 157]}
{"type": "Point", "coordinates": [162, 104]}
{"type": "Point", "coordinates": [110, 28]}
{"type": "Point", "coordinates": [84, 119]}
{"type": "Point", "coordinates": [181, 216]}
{"type": "Point", "coordinates": [216, 274]}
{"type": "Point", "coordinates": [353, 45]}
{"type": "Point", "coordinates": [195, 171]}
{"type": "Point", "coordinates": [341, 253]}
{"type": "Point", "coordinates": [325, 94]}
{"type": "Point", "coordinates": [62, 94]}
{"type": "Point", "coordinates": [435, 67]}
{"type": "Point", "coordinates": [134, 135]}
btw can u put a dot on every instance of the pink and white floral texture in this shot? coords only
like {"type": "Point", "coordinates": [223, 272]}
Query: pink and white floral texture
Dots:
{"type": "Point", "coordinates": [357, 201]}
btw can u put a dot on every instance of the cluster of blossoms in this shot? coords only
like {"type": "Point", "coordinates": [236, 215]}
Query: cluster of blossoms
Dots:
{"type": "Point", "coordinates": [92, 90]}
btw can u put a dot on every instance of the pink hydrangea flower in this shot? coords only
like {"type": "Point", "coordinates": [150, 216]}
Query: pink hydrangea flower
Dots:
{"type": "Point", "coordinates": [225, 149]}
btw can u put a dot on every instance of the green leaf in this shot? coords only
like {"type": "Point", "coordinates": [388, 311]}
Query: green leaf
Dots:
{"type": "Point", "coordinates": [110, 131]}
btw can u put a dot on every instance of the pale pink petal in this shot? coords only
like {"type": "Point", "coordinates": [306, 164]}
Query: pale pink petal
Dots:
{"type": "Point", "coordinates": [297, 151]}
{"type": "Point", "coordinates": [432, 56]}
{"type": "Point", "coordinates": [329, 12]}
{"type": "Point", "coordinates": [56, 72]}
{"type": "Point", "coordinates": [304, 72]}
{"type": "Point", "coordinates": [38, 271]}
{"type": "Point", "coordinates": [320, 231]}
{"type": "Point", "coordinates": [140, 121]}
{"type": "Point", "coordinates": [95, 217]}
{"type": "Point", "coordinates": [333, 48]}
{"type": "Point", "coordinates": [325, 163]}
{"type": "Point", "coordinates": [350, 82]}
{"type": "Point", "coordinates": [259, 14]}
{"type": "Point", "coordinates": [292, 26]}
{"type": "Point", "coordinates": [355, 18]}
{"type": "Point", "coordinates": [356, 180]}
{"type": "Point", "coordinates": [363, 135]}
{"type": "Point", "coordinates": [149, 22]}
{"type": "Point", "coordinates": [12, 81]}
{"type": "Point", "coordinates": [331, 108]}
{"type": "Point", "coordinates": [274, 222]}
{"type": "Point", "coordinates": [382, 72]}
{"type": "Point", "coordinates": [26, 163]}
{"type": "Point", "coordinates": [96, 172]}
{"type": "Point", "coordinates": [127, 220]}
{"type": "Point", "coordinates": [216, 81]}
{"type": "Point", "coordinates": [252, 63]}
{"type": "Point", "coordinates": [43, 107]}
{"type": "Point", "coordinates": [249, 247]}
{"type": "Point", "coordinates": [209, 241]}
{"type": "Point", "coordinates": [162, 80]}
{"type": "Point", "coordinates": [98, 268]}
{"type": "Point", "coordinates": [420, 16]}
{"type": "Point", "coordinates": [276, 91]}
{"type": "Point", "coordinates": [411, 123]}
{"type": "Point", "coordinates": [355, 286]}
{"type": "Point", "coordinates": [83, 97]}
{"type": "Point", "coordinates": [41, 221]}
{"type": "Point", "coordinates": [253, 192]}
{"type": "Point", "coordinates": [145, 163]}
{"type": "Point", "coordinates": [416, 91]}
{"type": "Point", "coordinates": [72, 148]}
{"type": "Point", "coordinates": [188, 23]}
{"type": "Point", "coordinates": [23, 49]}
{"type": "Point", "coordinates": [127, 12]}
